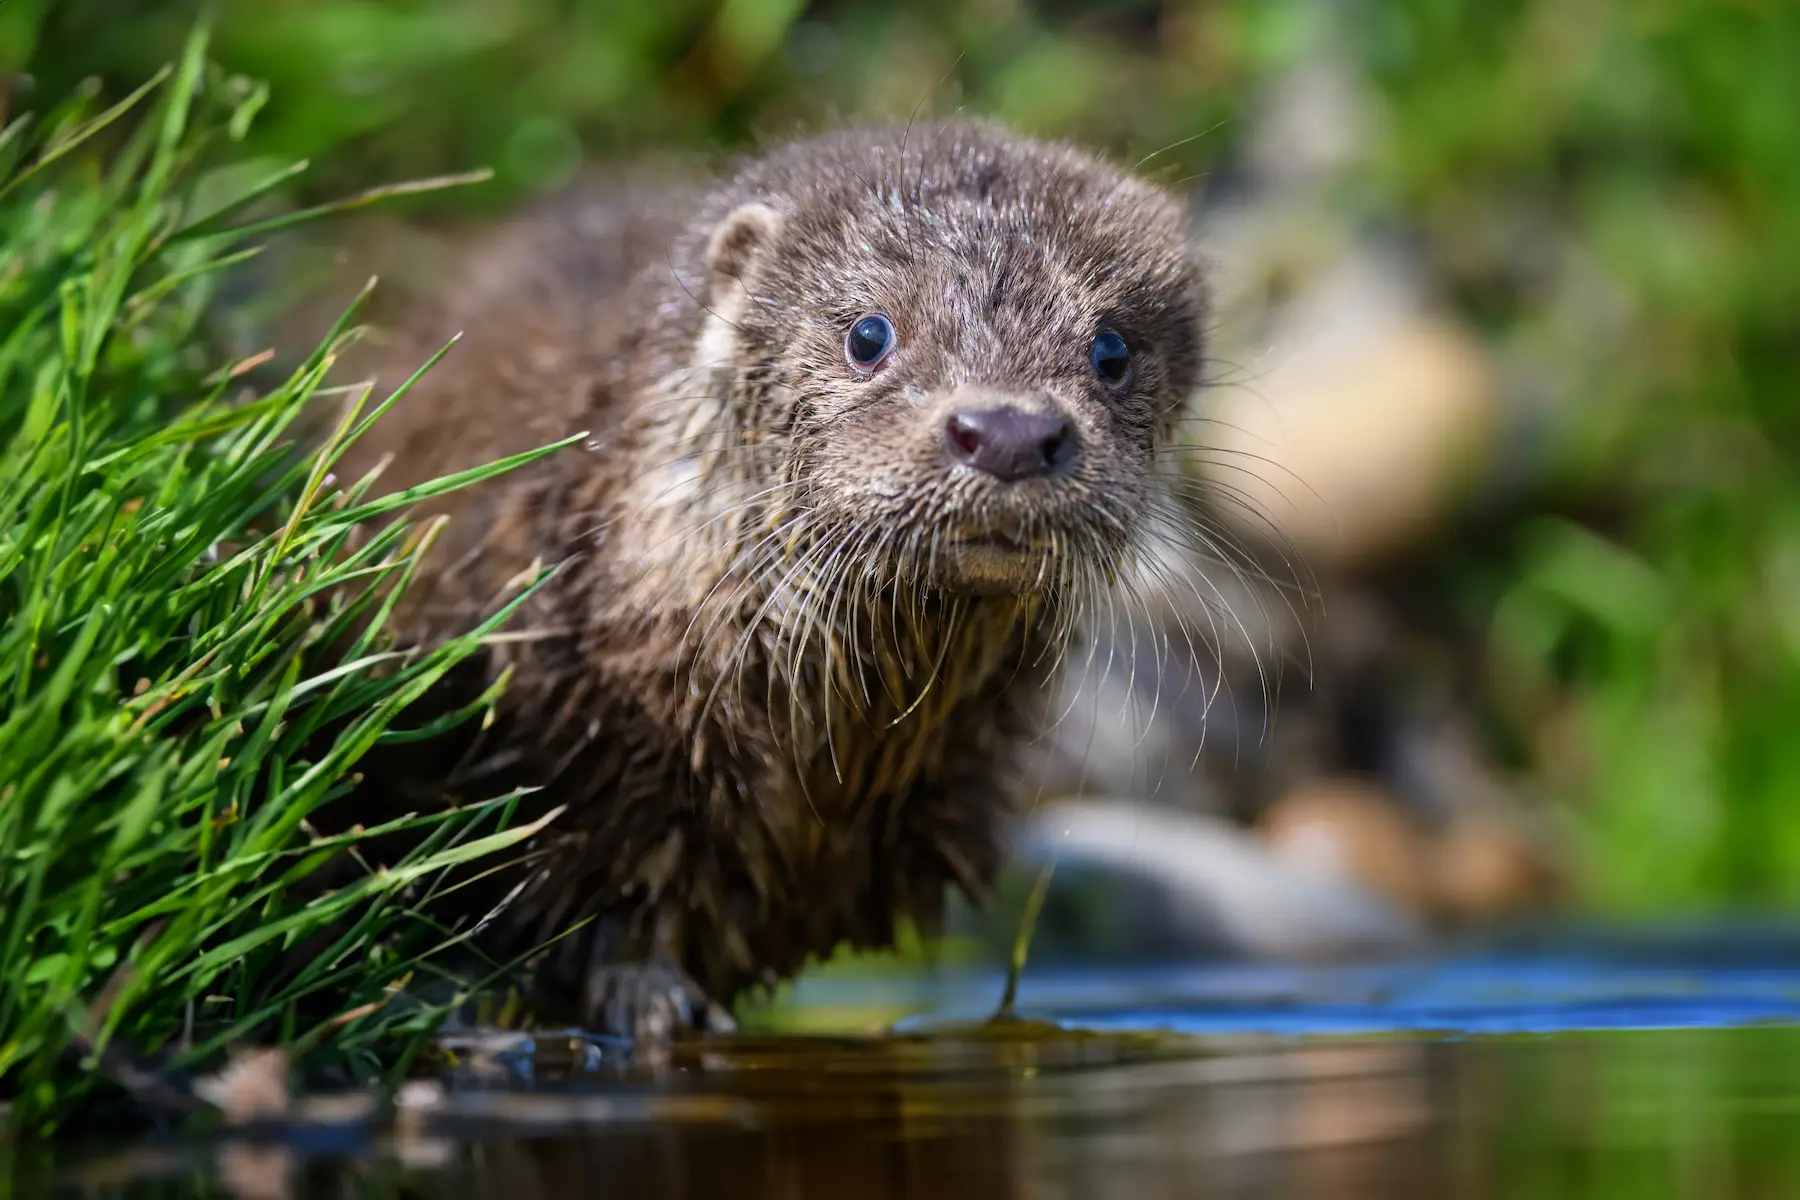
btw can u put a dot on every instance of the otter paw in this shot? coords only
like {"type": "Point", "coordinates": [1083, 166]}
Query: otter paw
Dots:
{"type": "Point", "coordinates": [648, 1002]}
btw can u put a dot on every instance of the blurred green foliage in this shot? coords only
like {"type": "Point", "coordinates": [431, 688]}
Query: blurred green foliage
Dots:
{"type": "Point", "coordinates": [1609, 192]}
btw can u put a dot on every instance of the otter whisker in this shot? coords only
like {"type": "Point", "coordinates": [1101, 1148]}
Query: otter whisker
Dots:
{"type": "Point", "coordinates": [732, 670]}
{"type": "Point", "coordinates": [1264, 681]}
{"type": "Point", "coordinates": [1193, 534]}
{"type": "Point", "coordinates": [1218, 547]}
{"type": "Point", "coordinates": [745, 568]}
{"type": "Point", "coordinates": [837, 639]}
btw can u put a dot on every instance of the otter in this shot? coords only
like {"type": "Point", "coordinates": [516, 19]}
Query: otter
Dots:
{"type": "Point", "coordinates": [872, 424]}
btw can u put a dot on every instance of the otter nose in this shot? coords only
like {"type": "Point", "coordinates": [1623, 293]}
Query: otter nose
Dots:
{"type": "Point", "coordinates": [1008, 443]}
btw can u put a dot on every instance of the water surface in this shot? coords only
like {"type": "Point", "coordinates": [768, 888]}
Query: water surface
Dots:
{"type": "Point", "coordinates": [1625, 1068]}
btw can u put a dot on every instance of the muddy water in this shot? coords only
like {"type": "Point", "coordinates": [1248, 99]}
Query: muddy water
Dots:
{"type": "Point", "coordinates": [1629, 1073]}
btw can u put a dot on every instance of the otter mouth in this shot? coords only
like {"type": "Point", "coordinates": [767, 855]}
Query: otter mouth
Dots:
{"type": "Point", "coordinates": [999, 541]}
{"type": "Point", "coordinates": [993, 561]}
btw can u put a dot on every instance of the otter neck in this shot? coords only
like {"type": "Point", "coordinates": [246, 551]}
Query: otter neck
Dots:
{"type": "Point", "coordinates": [862, 687]}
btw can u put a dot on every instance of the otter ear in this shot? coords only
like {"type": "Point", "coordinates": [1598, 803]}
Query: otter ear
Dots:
{"type": "Point", "coordinates": [731, 254]}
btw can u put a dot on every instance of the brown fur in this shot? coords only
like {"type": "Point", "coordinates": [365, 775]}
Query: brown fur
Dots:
{"type": "Point", "coordinates": [779, 696]}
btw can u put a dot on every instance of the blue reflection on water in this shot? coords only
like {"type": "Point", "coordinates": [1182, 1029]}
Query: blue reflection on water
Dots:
{"type": "Point", "coordinates": [1703, 979]}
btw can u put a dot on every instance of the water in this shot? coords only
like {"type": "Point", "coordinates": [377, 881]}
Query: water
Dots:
{"type": "Point", "coordinates": [1623, 1067]}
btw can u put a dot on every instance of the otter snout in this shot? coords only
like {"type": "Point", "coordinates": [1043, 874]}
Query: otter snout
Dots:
{"type": "Point", "coordinates": [1009, 443]}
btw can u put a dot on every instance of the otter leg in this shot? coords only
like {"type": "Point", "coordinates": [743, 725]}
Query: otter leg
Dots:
{"type": "Point", "coordinates": [648, 1002]}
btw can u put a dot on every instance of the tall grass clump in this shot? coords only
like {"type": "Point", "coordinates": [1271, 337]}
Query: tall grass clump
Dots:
{"type": "Point", "coordinates": [192, 656]}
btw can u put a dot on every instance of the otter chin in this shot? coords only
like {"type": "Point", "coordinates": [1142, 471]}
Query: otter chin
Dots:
{"type": "Point", "coordinates": [994, 565]}
{"type": "Point", "coordinates": [874, 421]}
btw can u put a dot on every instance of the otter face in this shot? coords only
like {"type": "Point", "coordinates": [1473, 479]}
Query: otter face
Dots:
{"type": "Point", "coordinates": [976, 345]}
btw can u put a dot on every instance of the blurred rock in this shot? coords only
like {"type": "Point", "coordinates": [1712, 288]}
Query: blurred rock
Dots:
{"type": "Point", "coordinates": [257, 1172]}
{"type": "Point", "coordinates": [1314, 121]}
{"type": "Point", "coordinates": [1355, 832]}
{"type": "Point", "coordinates": [1486, 868]}
{"type": "Point", "coordinates": [1361, 441]}
{"type": "Point", "coordinates": [251, 1088]}
{"type": "Point", "coordinates": [1153, 883]}
{"type": "Point", "coordinates": [1483, 866]}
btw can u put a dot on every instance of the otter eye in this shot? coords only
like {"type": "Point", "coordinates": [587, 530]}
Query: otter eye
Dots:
{"type": "Point", "coordinates": [870, 341]}
{"type": "Point", "coordinates": [1111, 357]}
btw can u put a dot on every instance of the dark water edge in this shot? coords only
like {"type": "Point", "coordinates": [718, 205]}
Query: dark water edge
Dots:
{"type": "Point", "coordinates": [1616, 1068]}
{"type": "Point", "coordinates": [1701, 1113]}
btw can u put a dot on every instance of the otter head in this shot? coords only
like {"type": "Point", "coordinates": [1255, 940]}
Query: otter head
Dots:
{"type": "Point", "coordinates": [971, 345]}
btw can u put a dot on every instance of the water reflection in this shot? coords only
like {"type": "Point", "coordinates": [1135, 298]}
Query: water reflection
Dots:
{"type": "Point", "coordinates": [1043, 1114]}
{"type": "Point", "coordinates": [987, 1120]}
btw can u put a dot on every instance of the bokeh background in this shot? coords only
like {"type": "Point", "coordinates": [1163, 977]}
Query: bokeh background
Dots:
{"type": "Point", "coordinates": [1511, 288]}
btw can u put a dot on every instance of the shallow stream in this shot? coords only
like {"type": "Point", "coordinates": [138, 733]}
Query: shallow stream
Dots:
{"type": "Point", "coordinates": [1613, 1065]}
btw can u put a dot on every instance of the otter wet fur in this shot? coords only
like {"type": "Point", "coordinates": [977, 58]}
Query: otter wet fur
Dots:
{"type": "Point", "coordinates": [874, 425]}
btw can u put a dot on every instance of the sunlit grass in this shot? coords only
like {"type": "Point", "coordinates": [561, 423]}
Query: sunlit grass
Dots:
{"type": "Point", "coordinates": [192, 657]}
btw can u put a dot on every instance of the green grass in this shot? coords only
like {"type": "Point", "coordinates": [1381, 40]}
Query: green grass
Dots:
{"type": "Point", "coordinates": [191, 649]}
